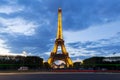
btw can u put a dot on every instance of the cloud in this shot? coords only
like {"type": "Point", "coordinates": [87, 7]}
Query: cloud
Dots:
{"type": "Point", "coordinates": [102, 47]}
{"type": "Point", "coordinates": [82, 14]}
{"type": "Point", "coordinates": [10, 9]}
{"type": "Point", "coordinates": [73, 52]}
{"type": "Point", "coordinates": [3, 47]}
{"type": "Point", "coordinates": [113, 55]}
{"type": "Point", "coordinates": [5, 50]}
{"type": "Point", "coordinates": [77, 14]}
{"type": "Point", "coordinates": [77, 60]}
{"type": "Point", "coordinates": [17, 25]}
{"type": "Point", "coordinates": [95, 32]}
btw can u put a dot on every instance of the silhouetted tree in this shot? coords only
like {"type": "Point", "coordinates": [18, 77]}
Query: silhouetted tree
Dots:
{"type": "Point", "coordinates": [46, 65]}
{"type": "Point", "coordinates": [76, 65]}
{"type": "Point", "coordinates": [14, 62]}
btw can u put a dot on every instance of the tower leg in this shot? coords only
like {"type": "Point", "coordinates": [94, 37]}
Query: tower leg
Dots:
{"type": "Point", "coordinates": [69, 61]}
{"type": "Point", "coordinates": [50, 60]}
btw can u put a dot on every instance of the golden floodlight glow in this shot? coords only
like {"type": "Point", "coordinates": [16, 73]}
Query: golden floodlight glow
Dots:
{"type": "Point", "coordinates": [60, 42]}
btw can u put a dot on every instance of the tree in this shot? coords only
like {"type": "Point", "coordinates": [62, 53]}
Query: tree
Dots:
{"type": "Point", "coordinates": [76, 65]}
{"type": "Point", "coordinates": [46, 65]}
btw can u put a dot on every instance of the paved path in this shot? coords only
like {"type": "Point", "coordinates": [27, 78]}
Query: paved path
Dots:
{"type": "Point", "coordinates": [59, 76]}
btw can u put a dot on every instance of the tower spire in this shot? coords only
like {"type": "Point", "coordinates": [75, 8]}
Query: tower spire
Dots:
{"type": "Point", "coordinates": [59, 30]}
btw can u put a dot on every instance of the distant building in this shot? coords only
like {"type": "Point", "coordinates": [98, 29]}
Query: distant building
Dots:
{"type": "Point", "coordinates": [109, 63]}
{"type": "Point", "coordinates": [111, 59]}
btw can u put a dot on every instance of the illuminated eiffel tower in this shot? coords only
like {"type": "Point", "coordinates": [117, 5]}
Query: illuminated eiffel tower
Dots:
{"type": "Point", "coordinates": [54, 56]}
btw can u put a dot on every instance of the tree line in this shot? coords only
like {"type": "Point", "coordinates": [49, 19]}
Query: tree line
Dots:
{"type": "Point", "coordinates": [15, 62]}
{"type": "Point", "coordinates": [35, 62]}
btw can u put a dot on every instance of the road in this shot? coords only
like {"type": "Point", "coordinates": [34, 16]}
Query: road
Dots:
{"type": "Point", "coordinates": [59, 76]}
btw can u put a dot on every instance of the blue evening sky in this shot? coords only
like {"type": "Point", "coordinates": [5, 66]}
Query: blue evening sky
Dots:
{"type": "Point", "coordinates": [90, 27]}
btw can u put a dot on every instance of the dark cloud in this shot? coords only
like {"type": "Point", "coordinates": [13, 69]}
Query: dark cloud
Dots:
{"type": "Point", "coordinates": [77, 14]}
{"type": "Point", "coordinates": [33, 44]}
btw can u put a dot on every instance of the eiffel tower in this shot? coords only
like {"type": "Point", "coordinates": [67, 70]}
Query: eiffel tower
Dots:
{"type": "Point", "coordinates": [54, 56]}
